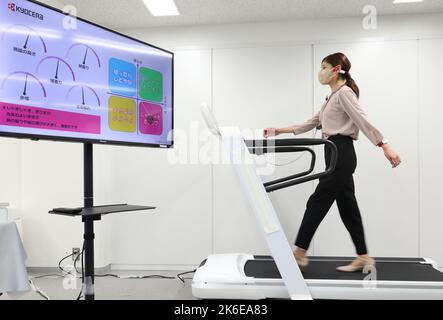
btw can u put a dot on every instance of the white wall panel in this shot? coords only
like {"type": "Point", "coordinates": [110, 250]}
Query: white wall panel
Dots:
{"type": "Point", "coordinates": [200, 208]}
{"type": "Point", "coordinates": [256, 88]}
{"type": "Point", "coordinates": [431, 137]}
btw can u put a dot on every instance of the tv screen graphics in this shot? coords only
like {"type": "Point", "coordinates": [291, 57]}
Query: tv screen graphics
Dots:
{"type": "Point", "coordinates": [72, 80]}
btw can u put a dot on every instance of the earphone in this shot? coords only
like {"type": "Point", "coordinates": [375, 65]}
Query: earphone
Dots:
{"type": "Point", "coordinates": [341, 72]}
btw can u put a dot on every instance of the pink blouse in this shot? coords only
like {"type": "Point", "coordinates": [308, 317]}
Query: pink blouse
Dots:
{"type": "Point", "coordinates": [341, 114]}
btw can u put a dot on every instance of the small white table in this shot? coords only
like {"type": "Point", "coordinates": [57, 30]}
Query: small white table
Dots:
{"type": "Point", "coordinates": [13, 275]}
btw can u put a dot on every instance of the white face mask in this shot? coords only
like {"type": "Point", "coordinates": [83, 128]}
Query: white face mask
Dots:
{"type": "Point", "coordinates": [325, 76]}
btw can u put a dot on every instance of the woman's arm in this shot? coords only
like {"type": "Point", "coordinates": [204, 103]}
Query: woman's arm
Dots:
{"type": "Point", "coordinates": [296, 129]}
{"type": "Point", "coordinates": [391, 155]}
{"type": "Point", "coordinates": [306, 126]}
{"type": "Point", "coordinates": [354, 110]}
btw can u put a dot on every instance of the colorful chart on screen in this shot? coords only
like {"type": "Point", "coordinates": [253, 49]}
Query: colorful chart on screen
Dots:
{"type": "Point", "coordinates": [73, 80]}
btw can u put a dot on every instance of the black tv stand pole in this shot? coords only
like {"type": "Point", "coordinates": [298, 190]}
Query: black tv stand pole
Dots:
{"type": "Point", "coordinates": [88, 236]}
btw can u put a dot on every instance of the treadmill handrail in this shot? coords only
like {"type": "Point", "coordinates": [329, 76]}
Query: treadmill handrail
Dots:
{"type": "Point", "coordinates": [259, 151]}
{"type": "Point", "coordinates": [252, 144]}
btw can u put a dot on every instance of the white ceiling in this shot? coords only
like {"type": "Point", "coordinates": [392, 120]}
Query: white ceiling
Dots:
{"type": "Point", "coordinates": [122, 14]}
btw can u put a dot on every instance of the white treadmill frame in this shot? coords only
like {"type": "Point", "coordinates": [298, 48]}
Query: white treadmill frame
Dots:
{"type": "Point", "coordinates": [222, 276]}
{"type": "Point", "coordinates": [262, 207]}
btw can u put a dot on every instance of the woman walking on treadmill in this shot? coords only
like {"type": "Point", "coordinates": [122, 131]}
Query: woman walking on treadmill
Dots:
{"type": "Point", "coordinates": [341, 117]}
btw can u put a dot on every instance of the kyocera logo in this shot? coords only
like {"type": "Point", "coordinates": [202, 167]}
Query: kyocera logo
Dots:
{"type": "Point", "coordinates": [15, 8]}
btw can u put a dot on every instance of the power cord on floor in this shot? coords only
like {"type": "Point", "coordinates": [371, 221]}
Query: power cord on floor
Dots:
{"type": "Point", "coordinates": [64, 272]}
{"type": "Point", "coordinates": [183, 273]}
{"type": "Point", "coordinates": [75, 261]}
{"type": "Point", "coordinates": [49, 276]}
{"type": "Point", "coordinates": [83, 271]}
{"type": "Point", "coordinates": [38, 290]}
{"type": "Point", "coordinates": [158, 276]}
{"type": "Point", "coordinates": [81, 255]}
{"type": "Point", "coordinates": [60, 264]}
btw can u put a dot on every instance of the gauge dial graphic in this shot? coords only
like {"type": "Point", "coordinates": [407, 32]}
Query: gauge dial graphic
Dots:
{"type": "Point", "coordinates": [23, 38]}
{"type": "Point", "coordinates": [23, 86]}
{"type": "Point", "coordinates": [56, 69]}
{"type": "Point", "coordinates": [83, 56]}
{"type": "Point", "coordinates": [83, 95]}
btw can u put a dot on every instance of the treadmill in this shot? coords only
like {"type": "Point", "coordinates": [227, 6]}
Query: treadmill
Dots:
{"type": "Point", "coordinates": [246, 276]}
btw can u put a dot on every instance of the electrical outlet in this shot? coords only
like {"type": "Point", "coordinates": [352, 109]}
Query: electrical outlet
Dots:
{"type": "Point", "coordinates": [75, 253]}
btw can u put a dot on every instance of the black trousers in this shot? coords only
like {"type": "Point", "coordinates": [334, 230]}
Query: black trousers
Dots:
{"type": "Point", "coordinates": [339, 187]}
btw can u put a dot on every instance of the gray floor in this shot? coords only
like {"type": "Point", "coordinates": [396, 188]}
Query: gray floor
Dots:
{"type": "Point", "coordinates": [116, 289]}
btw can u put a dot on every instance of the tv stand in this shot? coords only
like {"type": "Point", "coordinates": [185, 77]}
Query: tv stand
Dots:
{"type": "Point", "coordinates": [89, 214]}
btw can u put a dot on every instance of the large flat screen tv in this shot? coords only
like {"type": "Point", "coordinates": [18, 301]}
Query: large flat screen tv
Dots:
{"type": "Point", "coordinates": [69, 80]}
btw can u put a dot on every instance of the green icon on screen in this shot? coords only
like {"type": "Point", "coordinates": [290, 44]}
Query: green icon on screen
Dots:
{"type": "Point", "coordinates": [151, 85]}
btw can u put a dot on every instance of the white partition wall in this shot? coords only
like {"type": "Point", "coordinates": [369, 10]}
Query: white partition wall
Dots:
{"type": "Point", "coordinates": [431, 150]}
{"type": "Point", "coordinates": [11, 175]}
{"type": "Point", "coordinates": [265, 86]}
{"type": "Point", "coordinates": [52, 177]}
{"type": "Point", "coordinates": [387, 73]}
{"type": "Point", "coordinates": [178, 234]}
{"type": "Point", "coordinates": [253, 76]}
{"type": "Point", "coordinates": [254, 88]}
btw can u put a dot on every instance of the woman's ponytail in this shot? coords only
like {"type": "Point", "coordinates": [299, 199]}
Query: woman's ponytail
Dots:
{"type": "Point", "coordinates": [351, 84]}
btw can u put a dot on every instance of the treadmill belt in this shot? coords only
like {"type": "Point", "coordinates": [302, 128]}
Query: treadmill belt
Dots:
{"type": "Point", "coordinates": [323, 268]}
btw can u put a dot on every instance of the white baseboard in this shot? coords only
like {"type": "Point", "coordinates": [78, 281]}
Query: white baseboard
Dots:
{"type": "Point", "coordinates": [153, 267]}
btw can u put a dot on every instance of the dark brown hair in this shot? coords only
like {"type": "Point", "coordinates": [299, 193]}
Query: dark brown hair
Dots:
{"type": "Point", "coordinates": [341, 59]}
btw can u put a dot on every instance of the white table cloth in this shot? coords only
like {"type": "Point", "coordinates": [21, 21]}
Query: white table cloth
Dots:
{"type": "Point", "coordinates": [13, 275]}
